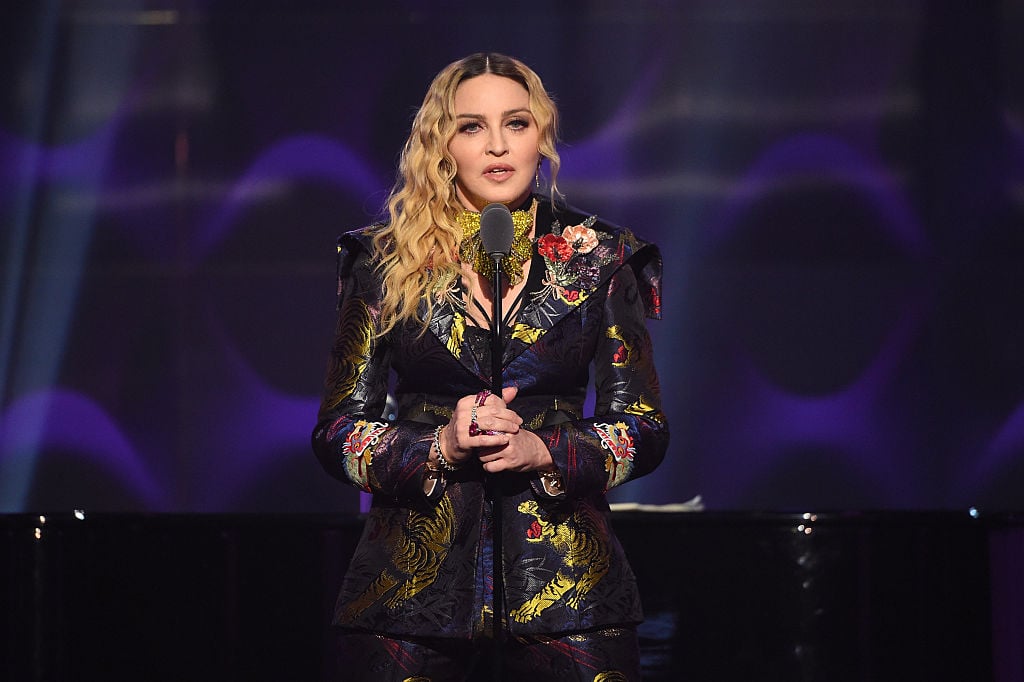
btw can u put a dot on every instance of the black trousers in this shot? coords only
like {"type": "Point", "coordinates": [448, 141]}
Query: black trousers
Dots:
{"type": "Point", "coordinates": [607, 655]}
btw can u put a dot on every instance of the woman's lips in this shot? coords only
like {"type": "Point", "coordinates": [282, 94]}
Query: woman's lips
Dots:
{"type": "Point", "coordinates": [498, 172]}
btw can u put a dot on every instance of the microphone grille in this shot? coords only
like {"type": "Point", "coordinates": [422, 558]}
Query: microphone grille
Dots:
{"type": "Point", "coordinates": [496, 229]}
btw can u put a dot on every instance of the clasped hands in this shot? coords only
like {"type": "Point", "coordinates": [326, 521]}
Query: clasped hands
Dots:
{"type": "Point", "coordinates": [484, 427]}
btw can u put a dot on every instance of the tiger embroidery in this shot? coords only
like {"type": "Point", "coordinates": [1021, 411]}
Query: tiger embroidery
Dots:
{"type": "Point", "coordinates": [350, 353]}
{"type": "Point", "coordinates": [580, 541]}
{"type": "Point", "coordinates": [419, 548]}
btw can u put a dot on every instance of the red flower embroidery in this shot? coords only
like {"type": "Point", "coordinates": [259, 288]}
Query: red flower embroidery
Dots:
{"type": "Point", "coordinates": [620, 355]}
{"type": "Point", "coordinates": [534, 531]}
{"type": "Point", "coordinates": [554, 248]}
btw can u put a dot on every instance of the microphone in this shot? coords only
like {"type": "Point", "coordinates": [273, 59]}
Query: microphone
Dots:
{"type": "Point", "coordinates": [496, 233]}
{"type": "Point", "coordinates": [496, 230]}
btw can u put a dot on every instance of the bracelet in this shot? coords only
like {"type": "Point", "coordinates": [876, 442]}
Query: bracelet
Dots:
{"type": "Point", "coordinates": [444, 464]}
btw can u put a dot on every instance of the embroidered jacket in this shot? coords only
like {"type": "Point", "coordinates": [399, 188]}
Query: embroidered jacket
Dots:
{"type": "Point", "coordinates": [423, 564]}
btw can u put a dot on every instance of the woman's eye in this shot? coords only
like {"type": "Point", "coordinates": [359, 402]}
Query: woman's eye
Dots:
{"type": "Point", "coordinates": [518, 123]}
{"type": "Point", "coordinates": [469, 127]}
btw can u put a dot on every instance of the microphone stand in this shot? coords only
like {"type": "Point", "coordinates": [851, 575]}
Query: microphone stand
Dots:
{"type": "Point", "coordinates": [497, 353]}
{"type": "Point", "coordinates": [496, 234]}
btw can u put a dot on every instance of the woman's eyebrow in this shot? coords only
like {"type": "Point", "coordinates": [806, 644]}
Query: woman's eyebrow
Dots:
{"type": "Point", "coordinates": [510, 112]}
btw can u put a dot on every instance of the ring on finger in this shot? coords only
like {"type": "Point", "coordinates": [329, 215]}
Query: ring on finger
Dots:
{"type": "Point", "coordinates": [474, 428]}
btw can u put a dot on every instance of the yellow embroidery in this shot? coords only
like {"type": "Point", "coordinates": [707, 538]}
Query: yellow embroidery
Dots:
{"type": "Point", "coordinates": [357, 450]}
{"type": "Point", "coordinates": [351, 351]}
{"type": "Point", "coordinates": [420, 547]}
{"type": "Point", "coordinates": [611, 676]}
{"type": "Point", "coordinates": [455, 340]}
{"type": "Point", "coordinates": [616, 439]}
{"type": "Point", "coordinates": [580, 543]}
{"type": "Point", "coordinates": [526, 333]}
{"type": "Point", "coordinates": [625, 356]}
{"type": "Point", "coordinates": [642, 409]}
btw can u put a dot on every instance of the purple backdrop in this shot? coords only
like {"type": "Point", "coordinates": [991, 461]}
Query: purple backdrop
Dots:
{"type": "Point", "coordinates": [838, 191]}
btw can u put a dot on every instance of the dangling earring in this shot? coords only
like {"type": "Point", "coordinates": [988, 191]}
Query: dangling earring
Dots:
{"type": "Point", "coordinates": [536, 176]}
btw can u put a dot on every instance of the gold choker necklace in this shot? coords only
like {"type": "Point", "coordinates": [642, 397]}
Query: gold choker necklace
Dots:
{"type": "Point", "coordinates": [471, 250]}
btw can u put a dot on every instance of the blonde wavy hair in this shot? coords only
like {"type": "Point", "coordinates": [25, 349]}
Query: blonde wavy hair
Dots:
{"type": "Point", "coordinates": [417, 248]}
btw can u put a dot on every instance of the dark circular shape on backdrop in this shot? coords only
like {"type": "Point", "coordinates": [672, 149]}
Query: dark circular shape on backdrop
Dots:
{"type": "Point", "coordinates": [813, 285]}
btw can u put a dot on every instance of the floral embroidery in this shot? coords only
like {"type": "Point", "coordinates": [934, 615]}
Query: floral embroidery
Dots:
{"type": "Point", "coordinates": [583, 239]}
{"type": "Point", "coordinates": [444, 291]}
{"type": "Point", "coordinates": [554, 248]}
{"type": "Point", "coordinates": [573, 258]}
{"type": "Point", "coordinates": [616, 439]}
{"type": "Point", "coordinates": [357, 450]}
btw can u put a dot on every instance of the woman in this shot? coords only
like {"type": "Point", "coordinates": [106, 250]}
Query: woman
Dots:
{"type": "Point", "coordinates": [418, 600]}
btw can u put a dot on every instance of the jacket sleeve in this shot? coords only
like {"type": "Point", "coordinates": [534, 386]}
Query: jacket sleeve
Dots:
{"type": "Point", "coordinates": [354, 441]}
{"type": "Point", "coordinates": [628, 435]}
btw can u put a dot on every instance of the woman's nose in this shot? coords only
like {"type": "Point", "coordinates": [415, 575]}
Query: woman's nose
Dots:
{"type": "Point", "coordinates": [496, 145]}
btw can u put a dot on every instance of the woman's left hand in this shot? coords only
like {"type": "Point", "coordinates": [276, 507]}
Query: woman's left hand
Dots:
{"type": "Point", "coordinates": [525, 451]}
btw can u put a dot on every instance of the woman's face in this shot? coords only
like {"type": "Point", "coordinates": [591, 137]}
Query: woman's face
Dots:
{"type": "Point", "coordinates": [497, 143]}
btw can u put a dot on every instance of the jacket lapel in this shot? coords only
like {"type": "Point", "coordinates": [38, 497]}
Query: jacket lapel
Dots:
{"type": "Point", "coordinates": [576, 255]}
{"type": "Point", "coordinates": [448, 324]}
{"type": "Point", "coordinates": [577, 260]}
